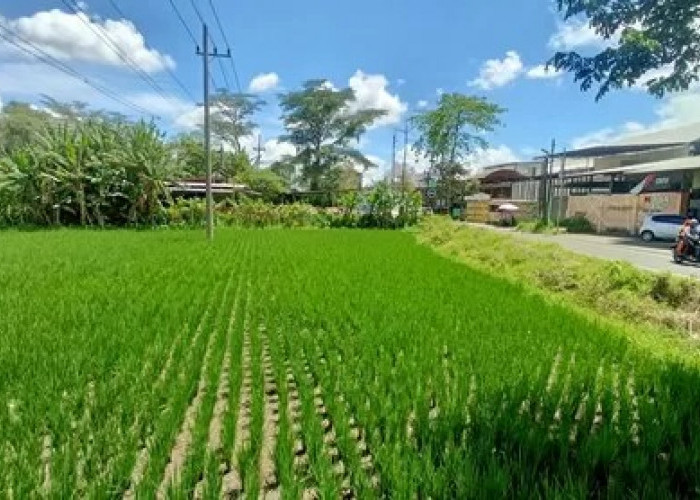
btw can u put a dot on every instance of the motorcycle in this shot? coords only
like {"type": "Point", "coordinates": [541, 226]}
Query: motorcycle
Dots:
{"type": "Point", "coordinates": [686, 249]}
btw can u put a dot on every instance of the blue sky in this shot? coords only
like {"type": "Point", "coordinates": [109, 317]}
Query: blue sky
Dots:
{"type": "Point", "coordinates": [396, 54]}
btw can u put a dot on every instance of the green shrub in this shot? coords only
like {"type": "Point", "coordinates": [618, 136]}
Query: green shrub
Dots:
{"type": "Point", "coordinates": [577, 224]}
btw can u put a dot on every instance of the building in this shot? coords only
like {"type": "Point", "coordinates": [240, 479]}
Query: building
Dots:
{"type": "Point", "coordinates": [515, 181]}
{"type": "Point", "coordinates": [614, 185]}
{"type": "Point", "coordinates": [197, 188]}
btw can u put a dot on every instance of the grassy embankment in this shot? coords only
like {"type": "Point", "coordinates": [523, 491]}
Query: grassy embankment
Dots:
{"type": "Point", "coordinates": [658, 310]}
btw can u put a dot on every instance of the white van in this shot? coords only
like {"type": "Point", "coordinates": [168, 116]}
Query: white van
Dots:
{"type": "Point", "coordinates": [661, 227]}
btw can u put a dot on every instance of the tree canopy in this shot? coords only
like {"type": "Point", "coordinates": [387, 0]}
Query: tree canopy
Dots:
{"type": "Point", "coordinates": [653, 43]}
{"type": "Point", "coordinates": [320, 123]}
{"type": "Point", "coordinates": [449, 133]}
{"type": "Point", "coordinates": [231, 117]}
{"type": "Point", "coordinates": [454, 128]}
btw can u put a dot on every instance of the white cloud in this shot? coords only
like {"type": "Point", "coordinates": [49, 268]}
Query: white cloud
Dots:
{"type": "Point", "coordinates": [499, 72]}
{"type": "Point", "coordinates": [492, 156]}
{"type": "Point", "coordinates": [375, 174]}
{"type": "Point", "coordinates": [574, 34]}
{"type": "Point", "coordinates": [74, 37]}
{"type": "Point", "coordinates": [415, 162]}
{"type": "Point", "coordinates": [439, 92]}
{"type": "Point", "coordinates": [662, 72]}
{"type": "Point", "coordinates": [675, 110]}
{"type": "Point", "coordinates": [422, 104]}
{"type": "Point", "coordinates": [541, 72]}
{"type": "Point", "coordinates": [264, 82]}
{"type": "Point", "coordinates": [371, 93]}
{"type": "Point", "coordinates": [400, 82]}
{"type": "Point", "coordinates": [275, 150]}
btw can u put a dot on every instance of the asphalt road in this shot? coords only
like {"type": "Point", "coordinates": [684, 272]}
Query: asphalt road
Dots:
{"type": "Point", "coordinates": [654, 256]}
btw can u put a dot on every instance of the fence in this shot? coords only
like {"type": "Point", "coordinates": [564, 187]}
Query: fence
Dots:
{"type": "Point", "coordinates": [624, 212]}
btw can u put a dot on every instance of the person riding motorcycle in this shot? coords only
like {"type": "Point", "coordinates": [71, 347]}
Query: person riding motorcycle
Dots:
{"type": "Point", "coordinates": [690, 238]}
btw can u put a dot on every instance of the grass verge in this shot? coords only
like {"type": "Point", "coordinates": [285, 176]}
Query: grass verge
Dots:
{"type": "Point", "coordinates": [658, 310]}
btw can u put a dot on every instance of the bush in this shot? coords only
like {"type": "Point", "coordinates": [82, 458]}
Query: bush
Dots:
{"type": "Point", "coordinates": [382, 207]}
{"type": "Point", "coordinates": [577, 224]}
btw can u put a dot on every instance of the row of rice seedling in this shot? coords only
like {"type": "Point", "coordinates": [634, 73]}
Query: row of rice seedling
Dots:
{"type": "Point", "coordinates": [318, 364]}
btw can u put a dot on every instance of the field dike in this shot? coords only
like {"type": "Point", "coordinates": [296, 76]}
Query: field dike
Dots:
{"type": "Point", "coordinates": [232, 484]}
{"type": "Point", "coordinates": [142, 459]}
{"type": "Point", "coordinates": [183, 441]}
{"type": "Point", "coordinates": [215, 443]}
{"type": "Point", "coordinates": [330, 439]}
{"type": "Point", "coordinates": [269, 480]}
{"type": "Point", "coordinates": [301, 456]}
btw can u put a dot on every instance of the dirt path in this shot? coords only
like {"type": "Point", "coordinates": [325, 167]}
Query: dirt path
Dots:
{"type": "Point", "coordinates": [232, 484]}
{"type": "Point", "coordinates": [83, 427]}
{"type": "Point", "coordinates": [216, 425]}
{"type": "Point", "coordinates": [183, 441]}
{"type": "Point", "coordinates": [46, 453]}
{"type": "Point", "coordinates": [330, 439]}
{"type": "Point", "coordinates": [269, 482]}
{"type": "Point", "coordinates": [141, 463]}
{"type": "Point", "coordinates": [357, 433]}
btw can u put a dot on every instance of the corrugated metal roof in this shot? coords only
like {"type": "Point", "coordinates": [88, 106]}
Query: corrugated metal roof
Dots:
{"type": "Point", "coordinates": [676, 164]}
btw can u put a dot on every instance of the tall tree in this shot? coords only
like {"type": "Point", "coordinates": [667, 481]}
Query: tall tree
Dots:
{"type": "Point", "coordinates": [655, 44]}
{"type": "Point", "coordinates": [323, 129]}
{"type": "Point", "coordinates": [449, 133]}
{"type": "Point", "coordinates": [231, 117]}
{"type": "Point", "coordinates": [19, 122]}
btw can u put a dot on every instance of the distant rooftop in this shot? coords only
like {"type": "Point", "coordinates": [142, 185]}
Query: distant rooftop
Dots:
{"type": "Point", "coordinates": [677, 135]}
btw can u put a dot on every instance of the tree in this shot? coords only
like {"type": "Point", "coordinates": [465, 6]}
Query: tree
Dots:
{"type": "Point", "coordinates": [231, 116]}
{"type": "Point", "coordinates": [323, 129]}
{"type": "Point", "coordinates": [449, 133]}
{"type": "Point", "coordinates": [19, 122]}
{"type": "Point", "coordinates": [266, 182]}
{"type": "Point", "coordinates": [655, 44]}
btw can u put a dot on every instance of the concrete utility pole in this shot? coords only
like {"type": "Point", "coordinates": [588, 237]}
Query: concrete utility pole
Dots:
{"type": "Point", "coordinates": [405, 154]}
{"type": "Point", "coordinates": [562, 188]}
{"type": "Point", "coordinates": [259, 150]}
{"type": "Point", "coordinates": [204, 52]}
{"type": "Point", "coordinates": [550, 190]}
{"type": "Point", "coordinates": [393, 159]}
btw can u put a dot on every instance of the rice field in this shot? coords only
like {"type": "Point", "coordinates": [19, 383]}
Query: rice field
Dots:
{"type": "Point", "coordinates": [317, 364]}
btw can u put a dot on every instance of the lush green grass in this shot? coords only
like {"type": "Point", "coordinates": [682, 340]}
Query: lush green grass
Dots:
{"type": "Point", "coordinates": [463, 384]}
{"type": "Point", "coordinates": [660, 311]}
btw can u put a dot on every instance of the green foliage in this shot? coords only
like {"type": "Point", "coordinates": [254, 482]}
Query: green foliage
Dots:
{"type": "Point", "coordinates": [615, 289]}
{"type": "Point", "coordinates": [87, 172]}
{"type": "Point", "coordinates": [266, 182]}
{"type": "Point", "coordinates": [319, 125]}
{"type": "Point", "coordinates": [381, 207]}
{"type": "Point", "coordinates": [659, 37]}
{"type": "Point", "coordinates": [231, 116]}
{"type": "Point", "coordinates": [19, 123]}
{"type": "Point", "coordinates": [577, 224]}
{"type": "Point", "coordinates": [121, 350]}
{"type": "Point", "coordinates": [448, 134]}
{"type": "Point", "coordinates": [453, 130]}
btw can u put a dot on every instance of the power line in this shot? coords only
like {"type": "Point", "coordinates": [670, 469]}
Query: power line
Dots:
{"type": "Point", "coordinates": [183, 22]}
{"type": "Point", "coordinates": [170, 72]}
{"type": "Point", "coordinates": [228, 46]}
{"type": "Point", "coordinates": [117, 9]}
{"type": "Point", "coordinates": [48, 59]}
{"type": "Point", "coordinates": [199, 14]}
{"type": "Point", "coordinates": [223, 73]}
{"type": "Point", "coordinates": [114, 47]}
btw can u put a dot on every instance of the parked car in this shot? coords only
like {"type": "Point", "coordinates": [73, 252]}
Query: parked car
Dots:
{"type": "Point", "coordinates": [661, 227]}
